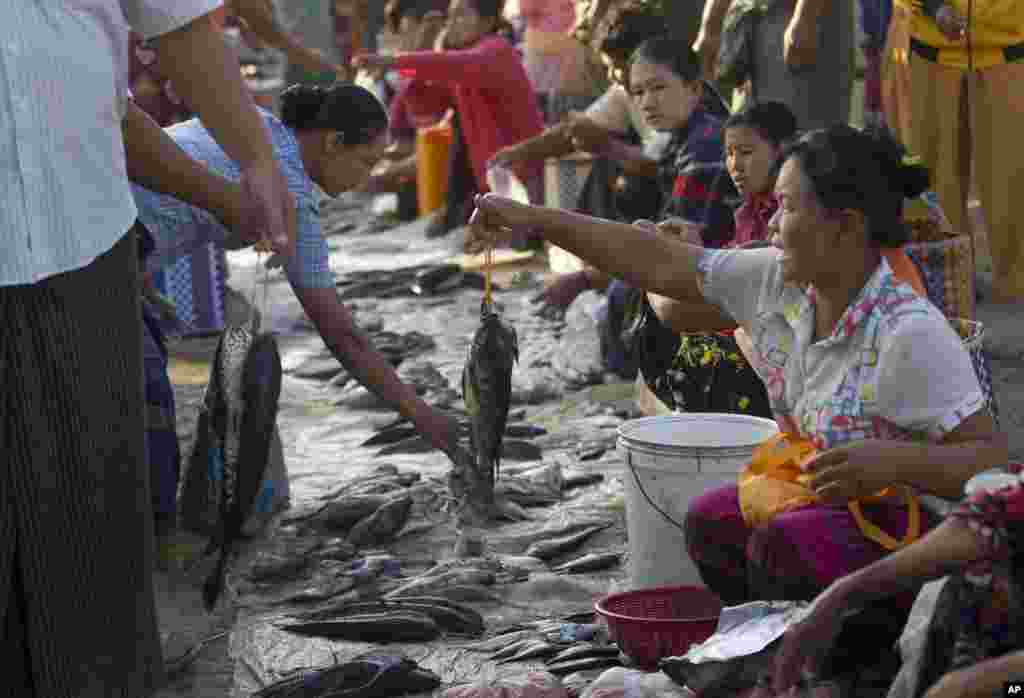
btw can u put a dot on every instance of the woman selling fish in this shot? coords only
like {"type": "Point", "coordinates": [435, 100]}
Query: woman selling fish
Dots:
{"type": "Point", "coordinates": [328, 140]}
{"type": "Point", "coordinates": [869, 382]}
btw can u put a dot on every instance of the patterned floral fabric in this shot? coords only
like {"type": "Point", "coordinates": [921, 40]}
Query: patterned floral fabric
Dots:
{"type": "Point", "coordinates": [892, 369]}
{"type": "Point", "coordinates": [864, 381]}
{"type": "Point", "coordinates": [980, 612]}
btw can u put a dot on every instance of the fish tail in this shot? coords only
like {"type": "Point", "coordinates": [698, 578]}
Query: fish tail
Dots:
{"type": "Point", "coordinates": [214, 584]}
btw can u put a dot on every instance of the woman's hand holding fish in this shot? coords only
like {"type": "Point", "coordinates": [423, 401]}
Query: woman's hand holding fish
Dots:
{"type": "Point", "coordinates": [269, 218]}
{"type": "Point", "coordinates": [496, 220]}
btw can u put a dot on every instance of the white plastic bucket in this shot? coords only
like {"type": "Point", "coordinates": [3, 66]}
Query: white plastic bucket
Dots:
{"type": "Point", "coordinates": [670, 460]}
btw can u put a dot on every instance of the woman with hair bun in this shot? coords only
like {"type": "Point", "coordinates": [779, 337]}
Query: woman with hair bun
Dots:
{"type": "Point", "coordinates": [326, 142]}
{"type": "Point", "coordinates": [867, 376]}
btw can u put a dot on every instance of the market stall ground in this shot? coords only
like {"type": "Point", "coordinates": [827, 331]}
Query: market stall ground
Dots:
{"type": "Point", "coordinates": [323, 420]}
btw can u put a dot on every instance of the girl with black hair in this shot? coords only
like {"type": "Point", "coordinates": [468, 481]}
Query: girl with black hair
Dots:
{"type": "Point", "coordinates": [326, 142]}
{"type": "Point", "coordinates": [494, 102]}
{"type": "Point", "coordinates": [695, 367]}
{"type": "Point", "coordinates": [862, 372]}
{"type": "Point", "coordinates": [698, 194]}
{"type": "Point", "coordinates": [754, 139]}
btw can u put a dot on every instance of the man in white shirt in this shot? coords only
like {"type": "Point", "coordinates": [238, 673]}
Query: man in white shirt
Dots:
{"type": "Point", "coordinates": [77, 615]}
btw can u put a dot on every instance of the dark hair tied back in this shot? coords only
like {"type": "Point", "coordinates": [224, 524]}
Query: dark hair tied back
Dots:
{"type": "Point", "coordinates": [349, 109]}
{"type": "Point", "coordinates": [866, 171]}
{"type": "Point", "coordinates": [773, 121]}
{"type": "Point", "coordinates": [674, 54]}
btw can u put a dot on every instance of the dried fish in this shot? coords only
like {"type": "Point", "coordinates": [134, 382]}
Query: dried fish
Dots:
{"type": "Point", "coordinates": [344, 513]}
{"type": "Point", "coordinates": [584, 651]}
{"type": "Point", "coordinates": [590, 563]}
{"type": "Point", "coordinates": [383, 524]}
{"type": "Point", "coordinates": [537, 650]}
{"type": "Point", "coordinates": [548, 549]}
{"type": "Point", "coordinates": [587, 664]}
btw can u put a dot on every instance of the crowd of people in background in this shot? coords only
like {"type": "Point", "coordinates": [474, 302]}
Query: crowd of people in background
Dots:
{"type": "Point", "coordinates": [730, 216]}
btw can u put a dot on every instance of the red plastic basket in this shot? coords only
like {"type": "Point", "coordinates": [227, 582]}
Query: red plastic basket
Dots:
{"type": "Point", "coordinates": [651, 624]}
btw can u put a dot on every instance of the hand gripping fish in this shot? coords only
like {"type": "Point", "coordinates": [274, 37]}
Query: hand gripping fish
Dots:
{"type": "Point", "coordinates": [243, 395]}
{"type": "Point", "coordinates": [487, 391]}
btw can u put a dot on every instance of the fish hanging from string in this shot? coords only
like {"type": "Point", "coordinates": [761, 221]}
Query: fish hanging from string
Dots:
{"type": "Point", "coordinates": [487, 392]}
{"type": "Point", "coordinates": [236, 425]}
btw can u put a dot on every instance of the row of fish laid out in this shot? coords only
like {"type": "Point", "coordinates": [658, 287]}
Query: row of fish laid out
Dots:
{"type": "Point", "coordinates": [460, 580]}
{"type": "Point", "coordinates": [410, 619]}
{"type": "Point", "coordinates": [423, 280]}
{"type": "Point", "coordinates": [557, 644]}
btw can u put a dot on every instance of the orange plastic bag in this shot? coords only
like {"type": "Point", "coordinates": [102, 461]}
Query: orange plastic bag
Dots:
{"type": "Point", "coordinates": [774, 483]}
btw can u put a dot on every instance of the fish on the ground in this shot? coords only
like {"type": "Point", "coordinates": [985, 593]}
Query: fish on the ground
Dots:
{"type": "Point", "coordinates": [334, 549]}
{"type": "Point", "coordinates": [383, 524]}
{"type": "Point", "coordinates": [272, 567]}
{"type": "Point", "coordinates": [548, 549]}
{"type": "Point", "coordinates": [514, 648]}
{"type": "Point", "coordinates": [242, 399]}
{"type": "Point", "coordinates": [521, 451]}
{"type": "Point", "coordinates": [501, 641]}
{"type": "Point", "coordinates": [585, 664]}
{"type": "Point", "coordinates": [508, 509]}
{"type": "Point", "coordinates": [450, 617]}
{"type": "Point", "coordinates": [590, 451]}
{"type": "Point", "coordinates": [404, 626]}
{"type": "Point", "coordinates": [410, 445]}
{"type": "Point", "coordinates": [367, 677]}
{"type": "Point", "coordinates": [592, 562]}
{"type": "Point", "coordinates": [525, 493]}
{"type": "Point", "coordinates": [487, 392]}
{"type": "Point", "coordinates": [537, 650]}
{"type": "Point", "coordinates": [383, 471]}
{"type": "Point", "coordinates": [524, 431]}
{"type": "Point", "coordinates": [385, 437]}
{"type": "Point", "coordinates": [433, 586]}
{"type": "Point", "coordinates": [574, 481]}
{"type": "Point", "coordinates": [323, 590]}
{"type": "Point", "coordinates": [469, 593]}
{"type": "Point", "coordinates": [342, 514]}
{"type": "Point", "coordinates": [438, 279]}
{"type": "Point", "coordinates": [584, 651]}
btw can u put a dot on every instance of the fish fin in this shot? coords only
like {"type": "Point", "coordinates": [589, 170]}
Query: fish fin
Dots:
{"type": "Point", "coordinates": [214, 584]}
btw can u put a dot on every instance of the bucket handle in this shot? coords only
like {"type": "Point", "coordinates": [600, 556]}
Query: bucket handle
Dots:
{"type": "Point", "coordinates": [632, 469]}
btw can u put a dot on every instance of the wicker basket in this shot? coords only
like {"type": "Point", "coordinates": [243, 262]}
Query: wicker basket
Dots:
{"type": "Point", "coordinates": [947, 270]}
{"type": "Point", "coordinates": [973, 335]}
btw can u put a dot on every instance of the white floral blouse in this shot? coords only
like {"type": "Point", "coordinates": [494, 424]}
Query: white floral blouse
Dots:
{"type": "Point", "coordinates": [893, 368]}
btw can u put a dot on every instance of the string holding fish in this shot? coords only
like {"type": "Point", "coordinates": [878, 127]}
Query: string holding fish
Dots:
{"type": "Point", "coordinates": [262, 247]}
{"type": "Point", "coordinates": [244, 387]}
{"type": "Point", "coordinates": [488, 272]}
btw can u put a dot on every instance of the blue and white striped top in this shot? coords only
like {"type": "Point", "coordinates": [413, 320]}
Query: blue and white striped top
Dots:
{"type": "Point", "coordinates": [179, 228]}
